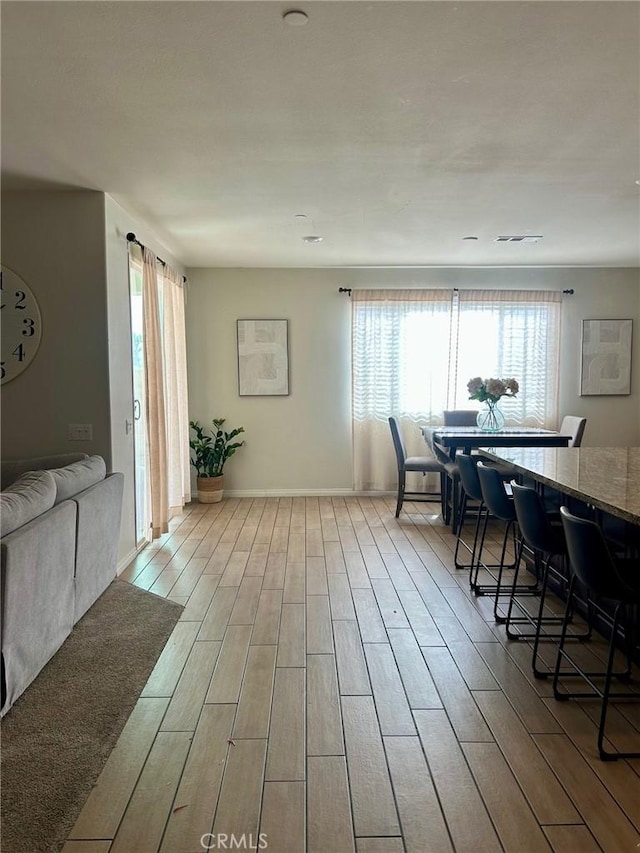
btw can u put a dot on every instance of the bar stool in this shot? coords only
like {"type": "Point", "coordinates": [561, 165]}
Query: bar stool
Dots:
{"type": "Point", "coordinates": [451, 486]}
{"type": "Point", "coordinates": [470, 491]}
{"type": "Point", "coordinates": [546, 541]}
{"type": "Point", "coordinates": [500, 505]}
{"type": "Point", "coordinates": [605, 579]}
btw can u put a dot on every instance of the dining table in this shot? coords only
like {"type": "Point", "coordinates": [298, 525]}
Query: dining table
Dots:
{"type": "Point", "coordinates": [605, 478]}
{"type": "Point", "coordinates": [448, 440]}
{"type": "Point", "coordinates": [452, 439]}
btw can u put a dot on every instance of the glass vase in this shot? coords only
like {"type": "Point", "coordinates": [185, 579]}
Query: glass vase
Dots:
{"type": "Point", "coordinates": [490, 419]}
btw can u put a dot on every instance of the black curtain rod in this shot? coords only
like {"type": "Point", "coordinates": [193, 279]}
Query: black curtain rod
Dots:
{"type": "Point", "coordinates": [569, 291]}
{"type": "Point", "coordinates": [131, 238]}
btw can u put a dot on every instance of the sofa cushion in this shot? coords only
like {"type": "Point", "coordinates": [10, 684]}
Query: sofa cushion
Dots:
{"type": "Point", "coordinates": [14, 468]}
{"type": "Point", "coordinates": [30, 496]}
{"type": "Point", "coordinates": [79, 476]}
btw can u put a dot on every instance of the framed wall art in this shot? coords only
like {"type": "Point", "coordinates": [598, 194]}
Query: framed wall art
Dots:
{"type": "Point", "coordinates": [606, 357]}
{"type": "Point", "coordinates": [263, 358]}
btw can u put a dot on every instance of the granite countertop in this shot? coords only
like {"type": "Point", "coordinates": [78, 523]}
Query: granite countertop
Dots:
{"type": "Point", "coordinates": [606, 477]}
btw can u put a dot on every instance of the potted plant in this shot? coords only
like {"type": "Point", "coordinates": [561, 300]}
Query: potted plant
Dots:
{"type": "Point", "coordinates": [211, 449]}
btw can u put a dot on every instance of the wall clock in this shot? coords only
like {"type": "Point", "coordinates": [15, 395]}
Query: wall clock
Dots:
{"type": "Point", "coordinates": [21, 325]}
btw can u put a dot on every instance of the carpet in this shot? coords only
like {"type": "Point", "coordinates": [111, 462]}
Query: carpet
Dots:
{"type": "Point", "coordinates": [58, 735]}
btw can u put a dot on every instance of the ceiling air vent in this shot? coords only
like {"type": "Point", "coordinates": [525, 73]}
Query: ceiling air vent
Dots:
{"type": "Point", "coordinates": [518, 238]}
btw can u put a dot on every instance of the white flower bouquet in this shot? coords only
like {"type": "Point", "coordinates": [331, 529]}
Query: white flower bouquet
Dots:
{"type": "Point", "coordinates": [491, 389]}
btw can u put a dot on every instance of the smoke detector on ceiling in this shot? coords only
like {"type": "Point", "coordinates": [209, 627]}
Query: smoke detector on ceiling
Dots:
{"type": "Point", "coordinates": [312, 238]}
{"type": "Point", "coordinates": [518, 238]}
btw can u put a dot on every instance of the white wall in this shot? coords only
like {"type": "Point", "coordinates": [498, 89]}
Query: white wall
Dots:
{"type": "Point", "coordinates": [70, 247]}
{"type": "Point", "coordinates": [303, 442]}
{"type": "Point", "coordinates": [55, 242]}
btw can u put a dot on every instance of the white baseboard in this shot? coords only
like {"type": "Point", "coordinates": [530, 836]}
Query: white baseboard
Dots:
{"type": "Point", "coordinates": [295, 493]}
{"type": "Point", "coordinates": [124, 562]}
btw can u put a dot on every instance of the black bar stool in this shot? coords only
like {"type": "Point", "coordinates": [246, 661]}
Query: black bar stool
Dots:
{"type": "Point", "coordinates": [500, 505]}
{"type": "Point", "coordinates": [606, 580]}
{"type": "Point", "coordinates": [546, 540]}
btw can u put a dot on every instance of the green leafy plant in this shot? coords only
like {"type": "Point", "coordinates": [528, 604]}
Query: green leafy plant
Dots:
{"type": "Point", "coordinates": [212, 447]}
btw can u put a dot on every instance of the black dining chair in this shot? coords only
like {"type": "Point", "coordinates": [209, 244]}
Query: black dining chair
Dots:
{"type": "Point", "coordinates": [613, 592]}
{"type": "Point", "coordinates": [453, 492]}
{"type": "Point", "coordinates": [460, 417]}
{"type": "Point", "coordinates": [421, 464]}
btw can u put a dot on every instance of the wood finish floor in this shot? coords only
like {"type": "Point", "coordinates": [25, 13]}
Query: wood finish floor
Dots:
{"type": "Point", "coordinates": [333, 685]}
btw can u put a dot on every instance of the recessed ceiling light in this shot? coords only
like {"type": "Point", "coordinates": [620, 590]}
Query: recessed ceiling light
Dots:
{"type": "Point", "coordinates": [295, 18]}
{"type": "Point", "coordinates": [469, 238]}
{"type": "Point", "coordinates": [312, 238]}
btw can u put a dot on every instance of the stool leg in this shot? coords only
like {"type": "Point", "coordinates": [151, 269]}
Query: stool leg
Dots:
{"type": "Point", "coordinates": [561, 644]}
{"type": "Point", "coordinates": [509, 526]}
{"type": "Point", "coordinates": [475, 570]}
{"type": "Point", "coordinates": [604, 755]}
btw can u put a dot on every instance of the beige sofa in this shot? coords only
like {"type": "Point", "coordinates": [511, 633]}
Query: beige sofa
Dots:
{"type": "Point", "coordinates": [60, 524]}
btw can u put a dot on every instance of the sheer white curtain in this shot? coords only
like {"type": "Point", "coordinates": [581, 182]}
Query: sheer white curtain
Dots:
{"type": "Point", "coordinates": [154, 382]}
{"type": "Point", "coordinates": [165, 378]}
{"type": "Point", "coordinates": [512, 333]}
{"type": "Point", "coordinates": [413, 352]}
{"type": "Point", "coordinates": [176, 402]}
{"type": "Point", "coordinates": [400, 366]}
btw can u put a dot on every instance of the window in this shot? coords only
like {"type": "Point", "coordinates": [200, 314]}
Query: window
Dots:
{"type": "Point", "coordinates": [415, 350]}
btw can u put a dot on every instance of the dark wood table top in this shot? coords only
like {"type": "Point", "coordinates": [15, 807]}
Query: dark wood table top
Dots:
{"type": "Point", "coordinates": [470, 438]}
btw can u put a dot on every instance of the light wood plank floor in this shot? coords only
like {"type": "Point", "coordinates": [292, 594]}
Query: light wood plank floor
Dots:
{"type": "Point", "coordinates": [332, 686]}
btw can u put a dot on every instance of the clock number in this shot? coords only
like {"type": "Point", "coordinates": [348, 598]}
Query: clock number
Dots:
{"type": "Point", "coordinates": [30, 324]}
{"type": "Point", "coordinates": [1, 288]}
{"type": "Point", "coordinates": [3, 372]}
{"type": "Point", "coordinates": [19, 351]}
{"type": "Point", "coordinates": [21, 296]}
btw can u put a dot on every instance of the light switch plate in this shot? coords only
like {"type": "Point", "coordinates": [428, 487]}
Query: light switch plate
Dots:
{"type": "Point", "coordinates": [80, 432]}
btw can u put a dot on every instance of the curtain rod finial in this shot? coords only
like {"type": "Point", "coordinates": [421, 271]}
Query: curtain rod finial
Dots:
{"type": "Point", "coordinates": [344, 290]}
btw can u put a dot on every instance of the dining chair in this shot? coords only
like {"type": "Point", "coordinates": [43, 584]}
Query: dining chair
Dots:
{"type": "Point", "coordinates": [421, 464]}
{"type": "Point", "coordinates": [606, 579]}
{"type": "Point", "coordinates": [574, 426]}
{"type": "Point", "coordinates": [453, 495]}
{"type": "Point", "coordinates": [460, 417]}
{"type": "Point", "coordinates": [541, 533]}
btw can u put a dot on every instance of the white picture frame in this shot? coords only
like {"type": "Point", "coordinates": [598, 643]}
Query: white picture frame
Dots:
{"type": "Point", "coordinates": [606, 357]}
{"type": "Point", "coordinates": [263, 358]}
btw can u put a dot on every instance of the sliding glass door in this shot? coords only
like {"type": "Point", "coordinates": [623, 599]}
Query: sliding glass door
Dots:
{"type": "Point", "coordinates": [141, 455]}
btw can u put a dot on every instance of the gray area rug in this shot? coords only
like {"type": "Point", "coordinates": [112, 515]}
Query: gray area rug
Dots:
{"type": "Point", "coordinates": [58, 735]}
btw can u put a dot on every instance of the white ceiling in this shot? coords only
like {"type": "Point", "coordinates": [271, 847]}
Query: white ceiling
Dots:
{"type": "Point", "coordinates": [397, 128]}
